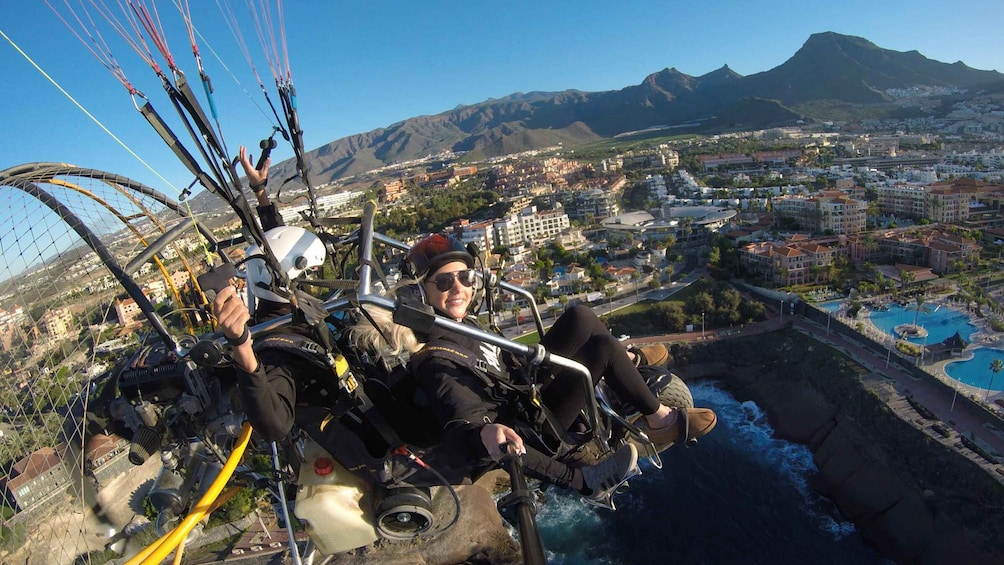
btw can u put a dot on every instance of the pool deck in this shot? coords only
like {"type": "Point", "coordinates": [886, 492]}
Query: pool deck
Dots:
{"type": "Point", "coordinates": [896, 386]}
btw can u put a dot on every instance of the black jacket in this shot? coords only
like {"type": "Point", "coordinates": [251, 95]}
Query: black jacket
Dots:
{"type": "Point", "coordinates": [462, 398]}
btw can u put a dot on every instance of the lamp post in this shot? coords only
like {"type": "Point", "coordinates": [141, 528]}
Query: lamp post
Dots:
{"type": "Point", "coordinates": [829, 316]}
{"type": "Point", "coordinates": [702, 326]}
{"type": "Point", "coordinates": [781, 314]}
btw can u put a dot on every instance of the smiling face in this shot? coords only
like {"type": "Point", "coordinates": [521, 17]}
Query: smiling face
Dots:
{"type": "Point", "coordinates": [455, 301]}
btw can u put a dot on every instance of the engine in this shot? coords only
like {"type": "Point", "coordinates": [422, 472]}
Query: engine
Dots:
{"type": "Point", "coordinates": [186, 413]}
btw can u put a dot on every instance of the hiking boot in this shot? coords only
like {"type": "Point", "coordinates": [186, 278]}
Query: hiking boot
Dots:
{"type": "Point", "coordinates": [690, 424]}
{"type": "Point", "coordinates": [604, 478]}
{"type": "Point", "coordinates": [655, 354]}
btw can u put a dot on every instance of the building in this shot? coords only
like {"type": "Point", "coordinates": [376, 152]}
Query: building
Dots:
{"type": "Point", "coordinates": [589, 205]}
{"type": "Point", "coordinates": [106, 457]}
{"type": "Point", "coordinates": [725, 161]}
{"type": "Point", "coordinates": [37, 479]}
{"type": "Point", "coordinates": [393, 190]}
{"type": "Point", "coordinates": [481, 234]}
{"type": "Point", "coordinates": [929, 246]}
{"type": "Point", "coordinates": [530, 226]}
{"type": "Point", "coordinates": [902, 200]}
{"type": "Point", "coordinates": [829, 212]}
{"type": "Point", "coordinates": [794, 262]}
{"type": "Point", "coordinates": [128, 312]}
{"type": "Point", "coordinates": [946, 205]}
{"type": "Point", "coordinates": [57, 322]}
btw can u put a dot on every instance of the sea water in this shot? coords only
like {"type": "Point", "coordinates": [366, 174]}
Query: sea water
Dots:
{"type": "Point", "coordinates": [739, 496]}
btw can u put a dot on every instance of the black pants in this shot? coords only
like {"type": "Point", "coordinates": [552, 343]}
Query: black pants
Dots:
{"type": "Point", "coordinates": [579, 334]}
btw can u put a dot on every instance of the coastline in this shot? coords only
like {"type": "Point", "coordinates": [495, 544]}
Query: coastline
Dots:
{"type": "Point", "coordinates": [875, 461]}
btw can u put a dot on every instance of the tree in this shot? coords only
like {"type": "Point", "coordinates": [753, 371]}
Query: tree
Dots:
{"type": "Point", "coordinates": [610, 291]}
{"type": "Point", "coordinates": [563, 299]}
{"type": "Point", "coordinates": [996, 366]}
{"type": "Point", "coordinates": [635, 277]}
{"type": "Point", "coordinates": [919, 308]}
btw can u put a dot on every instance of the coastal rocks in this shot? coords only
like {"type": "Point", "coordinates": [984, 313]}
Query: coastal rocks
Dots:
{"type": "Point", "coordinates": [892, 518]}
{"type": "Point", "coordinates": [807, 401]}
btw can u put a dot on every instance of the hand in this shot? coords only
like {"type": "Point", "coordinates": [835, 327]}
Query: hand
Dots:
{"type": "Point", "coordinates": [231, 313]}
{"type": "Point", "coordinates": [233, 317]}
{"type": "Point", "coordinates": [494, 435]}
{"type": "Point", "coordinates": [256, 177]}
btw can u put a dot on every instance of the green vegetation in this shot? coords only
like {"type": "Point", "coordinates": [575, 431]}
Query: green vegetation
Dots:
{"type": "Point", "coordinates": [438, 208]}
{"type": "Point", "coordinates": [239, 505]}
{"type": "Point", "coordinates": [12, 537]}
{"type": "Point", "coordinates": [714, 304]}
{"type": "Point", "coordinates": [96, 557]}
{"type": "Point", "coordinates": [908, 348]}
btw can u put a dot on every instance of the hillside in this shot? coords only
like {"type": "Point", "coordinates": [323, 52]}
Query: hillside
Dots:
{"type": "Point", "coordinates": [831, 76]}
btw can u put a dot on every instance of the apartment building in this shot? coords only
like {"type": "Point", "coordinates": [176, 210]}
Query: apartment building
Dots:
{"type": "Point", "coordinates": [930, 246]}
{"type": "Point", "coordinates": [590, 204]}
{"type": "Point", "coordinates": [830, 212]}
{"type": "Point", "coordinates": [795, 262]}
{"type": "Point", "coordinates": [530, 226]}
{"type": "Point", "coordinates": [481, 234]}
{"type": "Point", "coordinates": [57, 322]}
{"type": "Point", "coordinates": [946, 205]}
{"type": "Point", "coordinates": [127, 311]}
{"type": "Point", "coordinates": [902, 200]}
{"type": "Point", "coordinates": [37, 480]}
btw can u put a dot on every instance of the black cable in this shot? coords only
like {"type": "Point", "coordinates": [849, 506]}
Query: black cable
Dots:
{"type": "Point", "coordinates": [405, 452]}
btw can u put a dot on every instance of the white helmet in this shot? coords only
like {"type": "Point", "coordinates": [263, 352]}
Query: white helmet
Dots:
{"type": "Point", "coordinates": [296, 249]}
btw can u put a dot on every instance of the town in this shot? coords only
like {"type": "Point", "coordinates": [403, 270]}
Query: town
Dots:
{"type": "Point", "coordinates": [848, 210]}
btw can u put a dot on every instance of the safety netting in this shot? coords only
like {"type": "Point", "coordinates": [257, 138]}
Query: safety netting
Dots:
{"type": "Point", "coordinates": [86, 256]}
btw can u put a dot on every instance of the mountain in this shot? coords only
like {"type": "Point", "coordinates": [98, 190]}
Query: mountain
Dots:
{"type": "Point", "coordinates": [829, 73]}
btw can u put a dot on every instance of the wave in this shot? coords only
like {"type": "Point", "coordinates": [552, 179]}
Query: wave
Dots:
{"type": "Point", "coordinates": [740, 470]}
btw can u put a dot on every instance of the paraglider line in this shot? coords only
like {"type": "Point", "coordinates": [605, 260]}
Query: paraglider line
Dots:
{"type": "Point", "coordinates": [84, 110]}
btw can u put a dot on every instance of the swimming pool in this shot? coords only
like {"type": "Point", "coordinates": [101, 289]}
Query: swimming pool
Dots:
{"type": "Point", "coordinates": [941, 323]}
{"type": "Point", "coordinates": [976, 371]}
{"type": "Point", "coordinates": [832, 306]}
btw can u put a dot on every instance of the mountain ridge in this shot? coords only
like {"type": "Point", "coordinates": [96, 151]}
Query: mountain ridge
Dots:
{"type": "Point", "coordinates": [828, 67]}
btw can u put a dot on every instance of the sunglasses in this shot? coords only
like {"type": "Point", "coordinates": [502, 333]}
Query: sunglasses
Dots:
{"type": "Point", "coordinates": [444, 281]}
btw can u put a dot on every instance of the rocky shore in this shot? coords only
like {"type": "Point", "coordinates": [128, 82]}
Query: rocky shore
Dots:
{"type": "Point", "coordinates": [911, 498]}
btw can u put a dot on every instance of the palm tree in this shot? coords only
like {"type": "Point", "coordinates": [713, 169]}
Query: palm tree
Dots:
{"type": "Point", "coordinates": [635, 277]}
{"type": "Point", "coordinates": [996, 366]}
{"type": "Point", "coordinates": [919, 308]}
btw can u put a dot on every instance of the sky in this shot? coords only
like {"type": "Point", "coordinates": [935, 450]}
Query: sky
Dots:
{"type": "Point", "coordinates": [359, 66]}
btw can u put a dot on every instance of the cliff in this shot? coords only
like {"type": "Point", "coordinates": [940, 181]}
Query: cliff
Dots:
{"type": "Point", "coordinates": [912, 499]}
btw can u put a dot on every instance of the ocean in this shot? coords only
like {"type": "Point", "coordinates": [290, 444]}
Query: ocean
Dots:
{"type": "Point", "coordinates": [739, 497]}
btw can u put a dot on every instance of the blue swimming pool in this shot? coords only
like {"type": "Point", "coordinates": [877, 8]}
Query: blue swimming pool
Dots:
{"type": "Point", "coordinates": [831, 306]}
{"type": "Point", "coordinates": [940, 323]}
{"type": "Point", "coordinates": [976, 371]}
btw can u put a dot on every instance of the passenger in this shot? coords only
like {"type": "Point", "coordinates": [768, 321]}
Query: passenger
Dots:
{"type": "Point", "coordinates": [479, 422]}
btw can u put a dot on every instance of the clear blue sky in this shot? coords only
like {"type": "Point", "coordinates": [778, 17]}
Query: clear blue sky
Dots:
{"type": "Point", "coordinates": [359, 66]}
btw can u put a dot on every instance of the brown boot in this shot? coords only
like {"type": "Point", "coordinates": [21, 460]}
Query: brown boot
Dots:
{"type": "Point", "coordinates": [690, 423]}
{"type": "Point", "coordinates": [655, 354]}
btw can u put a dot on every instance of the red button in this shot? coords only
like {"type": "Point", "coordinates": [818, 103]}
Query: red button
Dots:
{"type": "Point", "coordinates": [323, 466]}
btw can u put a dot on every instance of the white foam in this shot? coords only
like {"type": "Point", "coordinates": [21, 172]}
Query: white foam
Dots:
{"type": "Point", "coordinates": [751, 431]}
